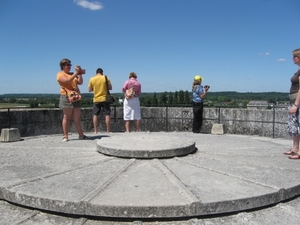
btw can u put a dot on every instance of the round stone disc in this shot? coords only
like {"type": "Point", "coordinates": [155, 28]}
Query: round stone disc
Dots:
{"type": "Point", "coordinates": [145, 145]}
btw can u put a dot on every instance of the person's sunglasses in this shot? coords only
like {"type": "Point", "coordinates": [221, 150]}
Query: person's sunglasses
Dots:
{"type": "Point", "coordinates": [69, 65]}
{"type": "Point", "coordinates": [294, 56]}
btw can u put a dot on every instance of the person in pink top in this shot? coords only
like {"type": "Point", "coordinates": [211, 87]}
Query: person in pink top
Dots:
{"type": "Point", "coordinates": [131, 105]}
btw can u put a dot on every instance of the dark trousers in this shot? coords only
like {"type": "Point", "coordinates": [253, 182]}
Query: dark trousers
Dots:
{"type": "Point", "coordinates": [198, 117]}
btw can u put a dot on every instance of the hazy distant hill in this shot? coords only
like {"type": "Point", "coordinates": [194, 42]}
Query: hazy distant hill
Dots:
{"type": "Point", "coordinates": [269, 96]}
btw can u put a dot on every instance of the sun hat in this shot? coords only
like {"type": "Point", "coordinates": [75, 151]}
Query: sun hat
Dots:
{"type": "Point", "coordinates": [198, 77]}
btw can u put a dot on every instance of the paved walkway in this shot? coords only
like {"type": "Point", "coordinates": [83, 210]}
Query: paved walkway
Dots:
{"type": "Point", "coordinates": [226, 174]}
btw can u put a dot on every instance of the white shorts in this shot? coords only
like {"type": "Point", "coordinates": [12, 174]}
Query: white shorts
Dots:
{"type": "Point", "coordinates": [132, 109]}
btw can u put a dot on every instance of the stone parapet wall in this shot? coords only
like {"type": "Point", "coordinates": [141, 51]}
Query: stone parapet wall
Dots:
{"type": "Point", "coordinates": [269, 123]}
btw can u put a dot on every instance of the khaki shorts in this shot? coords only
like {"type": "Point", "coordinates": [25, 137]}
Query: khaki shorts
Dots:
{"type": "Point", "coordinates": [64, 103]}
{"type": "Point", "coordinates": [293, 96]}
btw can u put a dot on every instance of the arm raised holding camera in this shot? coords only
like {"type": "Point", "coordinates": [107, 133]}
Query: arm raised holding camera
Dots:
{"type": "Point", "coordinates": [206, 88]}
{"type": "Point", "coordinates": [78, 73]}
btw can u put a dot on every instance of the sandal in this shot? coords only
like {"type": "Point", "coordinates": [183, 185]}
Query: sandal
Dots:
{"type": "Point", "coordinates": [296, 156]}
{"type": "Point", "coordinates": [83, 137]}
{"type": "Point", "coordinates": [290, 152]}
{"type": "Point", "coordinates": [65, 139]}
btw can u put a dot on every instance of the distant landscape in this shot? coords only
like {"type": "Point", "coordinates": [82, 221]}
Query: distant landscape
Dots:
{"type": "Point", "coordinates": [175, 99]}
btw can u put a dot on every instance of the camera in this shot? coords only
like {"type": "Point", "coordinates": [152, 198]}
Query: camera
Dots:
{"type": "Point", "coordinates": [206, 86]}
{"type": "Point", "coordinates": [79, 70]}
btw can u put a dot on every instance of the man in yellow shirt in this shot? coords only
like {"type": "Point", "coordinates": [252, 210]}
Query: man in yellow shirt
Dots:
{"type": "Point", "coordinates": [97, 84]}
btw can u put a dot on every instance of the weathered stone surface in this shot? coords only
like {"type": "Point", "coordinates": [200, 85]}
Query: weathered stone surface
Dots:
{"type": "Point", "coordinates": [10, 134]}
{"type": "Point", "coordinates": [261, 122]}
{"type": "Point", "coordinates": [145, 145]}
{"type": "Point", "coordinates": [227, 173]}
{"type": "Point", "coordinates": [217, 129]}
{"type": "Point", "coordinates": [283, 213]}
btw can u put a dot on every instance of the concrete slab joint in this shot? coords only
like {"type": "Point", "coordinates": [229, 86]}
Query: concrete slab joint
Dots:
{"type": "Point", "coordinates": [10, 134]}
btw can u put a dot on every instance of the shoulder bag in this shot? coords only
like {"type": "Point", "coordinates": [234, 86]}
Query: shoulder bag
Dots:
{"type": "Point", "coordinates": [130, 92]}
{"type": "Point", "coordinates": [73, 95]}
{"type": "Point", "coordinates": [109, 98]}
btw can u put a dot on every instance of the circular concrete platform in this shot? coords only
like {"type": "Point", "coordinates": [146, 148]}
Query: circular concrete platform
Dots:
{"type": "Point", "coordinates": [145, 145]}
{"type": "Point", "coordinates": [227, 173]}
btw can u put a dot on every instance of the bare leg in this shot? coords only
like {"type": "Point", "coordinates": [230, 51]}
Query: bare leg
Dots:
{"type": "Point", "coordinates": [137, 126]}
{"type": "Point", "coordinates": [66, 121]}
{"type": "Point", "coordinates": [95, 122]}
{"type": "Point", "coordinates": [296, 144]}
{"type": "Point", "coordinates": [127, 123]}
{"type": "Point", "coordinates": [107, 121]}
{"type": "Point", "coordinates": [77, 123]}
{"type": "Point", "coordinates": [294, 152]}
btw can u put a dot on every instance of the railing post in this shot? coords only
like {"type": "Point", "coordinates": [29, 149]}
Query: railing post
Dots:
{"type": "Point", "coordinates": [115, 113]}
{"type": "Point", "coordinates": [167, 119]}
{"type": "Point", "coordinates": [273, 123]}
{"type": "Point", "coordinates": [219, 115]}
{"type": "Point", "coordinates": [8, 114]}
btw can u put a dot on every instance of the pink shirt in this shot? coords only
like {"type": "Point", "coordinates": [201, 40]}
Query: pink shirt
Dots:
{"type": "Point", "coordinates": [133, 83]}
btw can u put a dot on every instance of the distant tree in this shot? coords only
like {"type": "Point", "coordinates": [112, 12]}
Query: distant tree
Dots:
{"type": "Point", "coordinates": [258, 98]}
{"type": "Point", "coordinates": [154, 101]}
{"type": "Point", "coordinates": [22, 101]}
{"type": "Point", "coordinates": [33, 103]}
{"type": "Point", "coordinates": [215, 98]}
{"type": "Point", "coordinates": [163, 100]}
{"type": "Point", "coordinates": [245, 103]}
{"type": "Point", "coordinates": [181, 97]}
{"type": "Point", "coordinates": [223, 99]}
{"type": "Point", "coordinates": [170, 99]}
{"type": "Point", "coordinates": [87, 102]}
{"type": "Point", "coordinates": [12, 100]}
{"type": "Point", "coordinates": [175, 99]}
{"type": "Point", "coordinates": [212, 98]}
{"type": "Point", "coordinates": [142, 101]}
{"type": "Point", "coordinates": [148, 101]}
{"type": "Point", "coordinates": [145, 101]}
{"type": "Point", "coordinates": [233, 103]}
{"type": "Point", "coordinates": [271, 100]}
{"type": "Point", "coordinates": [42, 101]}
{"type": "Point", "coordinates": [187, 99]}
{"type": "Point", "coordinates": [56, 103]}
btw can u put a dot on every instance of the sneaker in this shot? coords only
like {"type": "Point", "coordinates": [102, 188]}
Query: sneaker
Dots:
{"type": "Point", "coordinates": [65, 139]}
{"type": "Point", "coordinates": [83, 137]}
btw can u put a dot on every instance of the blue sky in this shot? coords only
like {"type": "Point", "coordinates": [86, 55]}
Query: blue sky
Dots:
{"type": "Point", "coordinates": [236, 45]}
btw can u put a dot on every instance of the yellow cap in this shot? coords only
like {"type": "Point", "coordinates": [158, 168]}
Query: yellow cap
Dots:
{"type": "Point", "coordinates": [198, 77]}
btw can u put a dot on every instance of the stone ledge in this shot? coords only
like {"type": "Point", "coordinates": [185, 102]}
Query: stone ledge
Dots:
{"type": "Point", "coordinates": [10, 134]}
{"type": "Point", "coordinates": [217, 129]}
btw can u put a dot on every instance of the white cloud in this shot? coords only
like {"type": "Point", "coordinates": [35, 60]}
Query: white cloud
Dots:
{"type": "Point", "coordinates": [89, 5]}
{"type": "Point", "coordinates": [281, 60]}
{"type": "Point", "coordinates": [264, 53]}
